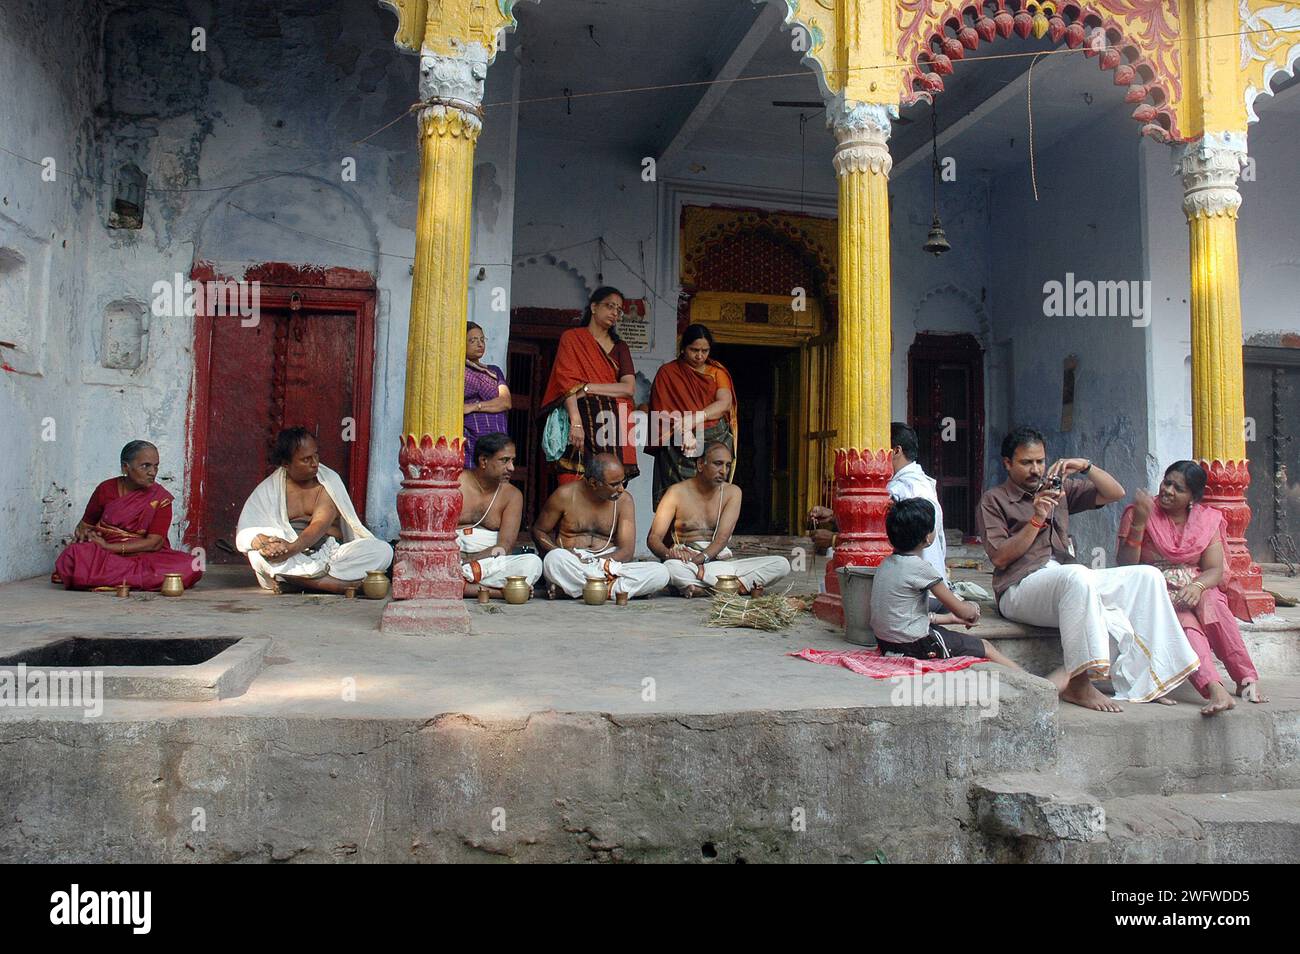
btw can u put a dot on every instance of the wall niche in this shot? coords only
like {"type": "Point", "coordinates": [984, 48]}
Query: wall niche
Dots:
{"type": "Point", "coordinates": [124, 340]}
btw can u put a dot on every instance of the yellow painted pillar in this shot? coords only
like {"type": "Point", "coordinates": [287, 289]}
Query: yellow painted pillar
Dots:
{"type": "Point", "coordinates": [1210, 167]}
{"type": "Point", "coordinates": [435, 356]}
{"type": "Point", "coordinates": [862, 467]}
{"type": "Point", "coordinates": [427, 583]}
{"type": "Point", "coordinates": [862, 163]}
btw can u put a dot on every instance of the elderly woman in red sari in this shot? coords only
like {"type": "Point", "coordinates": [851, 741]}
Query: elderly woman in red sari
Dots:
{"type": "Point", "coordinates": [122, 536]}
{"type": "Point", "coordinates": [592, 383]}
{"type": "Point", "coordinates": [695, 398]}
{"type": "Point", "coordinates": [486, 396]}
{"type": "Point", "coordinates": [1185, 540]}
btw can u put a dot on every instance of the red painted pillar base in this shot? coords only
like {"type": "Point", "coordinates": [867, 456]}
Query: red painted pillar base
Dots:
{"type": "Point", "coordinates": [860, 504]}
{"type": "Point", "coordinates": [1226, 490]}
{"type": "Point", "coordinates": [428, 591]}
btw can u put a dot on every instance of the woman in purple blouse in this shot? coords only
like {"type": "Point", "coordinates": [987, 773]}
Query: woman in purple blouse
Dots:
{"type": "Point", "coordinates": [486, 396]}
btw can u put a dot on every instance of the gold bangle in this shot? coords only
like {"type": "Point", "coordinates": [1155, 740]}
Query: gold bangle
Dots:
{"type": "Point", "coordinates": [1197, 583]}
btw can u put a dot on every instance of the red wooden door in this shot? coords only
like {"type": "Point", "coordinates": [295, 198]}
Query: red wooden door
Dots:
{"type": "Point", "coordinates": [945, 384]}
{"type": "Point", "coordinates": [305, 363]}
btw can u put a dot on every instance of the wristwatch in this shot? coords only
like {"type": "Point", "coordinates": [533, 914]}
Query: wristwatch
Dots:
{"type": "Point", "coordinates": [1084, 472]}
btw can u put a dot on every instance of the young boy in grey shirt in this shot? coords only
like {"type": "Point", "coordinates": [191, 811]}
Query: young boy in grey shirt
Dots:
{"type": "Point", "coordinates": [900, 595]}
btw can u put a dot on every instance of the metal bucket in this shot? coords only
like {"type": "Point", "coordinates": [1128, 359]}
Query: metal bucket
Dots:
{"type": "Point", "coordinates": [855, 597]}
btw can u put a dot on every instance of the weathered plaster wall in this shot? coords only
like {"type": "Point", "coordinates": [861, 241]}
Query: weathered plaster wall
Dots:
{"type": "Point", "coordinates": [491, 275]}
{"type": "Point", "coordinates": [256, 129]}
{"type": "Point", "coordinates": [1088, 222]}
{"type": "Point", "coordinates": [1266, 230]}
{"type": "Point", "coordinates": [48, 61]}
{"type": "Point", "coordinates": [1168, 344]}
{"type": "Point", "coordinates": [943, 295]}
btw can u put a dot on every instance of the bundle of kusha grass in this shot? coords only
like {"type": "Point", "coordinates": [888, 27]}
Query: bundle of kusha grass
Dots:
{"type": "Point", "coordinates": [770, 613]}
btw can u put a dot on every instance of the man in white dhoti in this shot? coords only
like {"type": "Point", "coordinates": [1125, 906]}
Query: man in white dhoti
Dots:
{"type": "Point", "coordinates": [299, 525]}
{"type": "Point", "coordinates": [1025, 526]}
{"type": "Point", "coordinates": [587, 530]}
{"type": "Point", "coordinates": [489, 520]}
{"type": "Point", "coordinates": [699, 515]}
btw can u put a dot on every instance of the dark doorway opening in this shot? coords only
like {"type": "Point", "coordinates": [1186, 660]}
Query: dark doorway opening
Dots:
{"type": "Point", "coordinates": [767, 389]}
{"type": "Point", "coordinates": [945, 403]}
{"type": "Point", "coordinates": [1273, 449]}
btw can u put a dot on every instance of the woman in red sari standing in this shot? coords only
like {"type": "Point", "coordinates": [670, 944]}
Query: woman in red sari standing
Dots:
{"type": "Point", "coordinates": [122, 537]}
{"type": "Point", "coordinates": [592, 382]}
{"type": "Point", "coordinates": [697, 391]}
{"type": "Point", "coordinates": [1185, 540]}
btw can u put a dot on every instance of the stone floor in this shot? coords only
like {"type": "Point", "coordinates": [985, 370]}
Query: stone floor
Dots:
{"type": "Point", "coordinates": [519, 659]}
{"type": "Point", "coordinates": [355, 745]}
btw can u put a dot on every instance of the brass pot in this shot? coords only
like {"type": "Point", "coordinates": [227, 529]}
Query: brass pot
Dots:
{"type": "Point", "coordinates": [595, 592]}
{"type": "Point", "coordinates": [172, 585]}
{"type": "Point", "coordinates": [516, 590]}
{"type": "Point", "coordinates": [730, 585]}
{"type": "Point", "coordinates": [376, 585]}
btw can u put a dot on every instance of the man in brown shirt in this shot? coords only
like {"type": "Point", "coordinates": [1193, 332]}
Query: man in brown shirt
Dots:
{"type": "Point", "coordinates": [1038, 582]}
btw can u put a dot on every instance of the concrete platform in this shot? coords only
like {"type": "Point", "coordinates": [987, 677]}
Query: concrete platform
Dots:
{"type": "Point", "coordinates": [555, 732]}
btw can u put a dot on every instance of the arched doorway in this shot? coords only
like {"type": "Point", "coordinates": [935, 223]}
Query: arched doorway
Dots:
{"type": "Point", "coordinates": [764, 284]}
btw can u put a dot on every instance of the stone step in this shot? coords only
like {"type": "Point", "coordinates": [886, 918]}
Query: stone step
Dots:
{"type": "Point", "coordinates": [1030, 817]}
{"type": "Point", "coordinates": [1274, 646]}
{"type": "Point", "coordinates": [1261, 827]}
{"type": "Point", "coordinates": [1163, 750]}
{"type": "Point", "coordinates": [1035, 805]}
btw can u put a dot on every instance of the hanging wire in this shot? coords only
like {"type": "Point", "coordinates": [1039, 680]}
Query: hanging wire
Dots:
{"type": "Point", "coordinates": [934, 160]}
{"type": "Point", "coordinates": [1033, 170]}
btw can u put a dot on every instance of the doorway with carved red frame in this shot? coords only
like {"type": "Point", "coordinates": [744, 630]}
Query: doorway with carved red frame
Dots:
{"type": "Point", "coordinates": [308, 360]}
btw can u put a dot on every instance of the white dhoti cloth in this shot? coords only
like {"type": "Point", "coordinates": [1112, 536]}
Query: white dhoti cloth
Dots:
{"type": "Point", "coordinates": [348, 562]}
{"type": "Point", "coordinates": [265, 514]}
{"type": "Point", "coordinates": [751, 571]}
{"type": "Point", "coordinates": [493, 571]}
{"type": "Point", "coordinates": [1128, 605]}
{"type": "Point", "coordinates": [571, 569]}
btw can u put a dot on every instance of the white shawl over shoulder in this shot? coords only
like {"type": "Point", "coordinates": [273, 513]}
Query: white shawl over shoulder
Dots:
{"type": "Point", "coordinates": [266, 512]}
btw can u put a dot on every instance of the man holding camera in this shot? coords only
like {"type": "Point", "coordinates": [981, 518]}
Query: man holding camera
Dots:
{"type": "Point", "coordinates": [1025, 526]}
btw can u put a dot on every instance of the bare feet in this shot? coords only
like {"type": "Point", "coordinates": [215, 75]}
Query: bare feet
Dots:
{"type": "Point", "coordinates": [1165, 701]}
{"type": "Point", "coordinates": [1081, 692]}
{"type": "Point", "coordinates": [327, 584]}
{"type": "Point", "coordinates": [1220, 701]}
{"type": "Point", "coordinates": [1250, 692]}
{"type": "Point", "coordinates": [691, 592]}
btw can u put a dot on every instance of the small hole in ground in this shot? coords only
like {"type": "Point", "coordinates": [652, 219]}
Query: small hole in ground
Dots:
{"type": "Point", "coordinates": [709, 850]}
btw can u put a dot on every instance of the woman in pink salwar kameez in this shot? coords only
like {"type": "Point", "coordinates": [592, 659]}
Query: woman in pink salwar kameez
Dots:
{"type": "Point", "coordinates": [1185, 540]}
{"type": "Point", "coordinates": [122, 537]}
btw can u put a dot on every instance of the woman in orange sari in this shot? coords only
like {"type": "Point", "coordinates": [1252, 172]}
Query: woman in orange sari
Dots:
{"type": "Point", "coordinates": [697, 391]}
{"type": "Point", "coordinates": [122, 537]}
{"type": "Point", "coordinates": [593, 381]}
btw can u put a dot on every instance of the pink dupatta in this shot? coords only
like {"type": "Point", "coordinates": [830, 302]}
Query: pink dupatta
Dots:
{"type": "Point", "coordinates": [1185, 546]}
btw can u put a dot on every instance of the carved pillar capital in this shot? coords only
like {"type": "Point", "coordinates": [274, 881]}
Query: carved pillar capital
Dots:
{"type": "Point", "coordinates": [1210, 167]}
{"type": "Point", "coordinates": [451, 88]}
{"type": "Point", "coordinates": [861, 136]}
